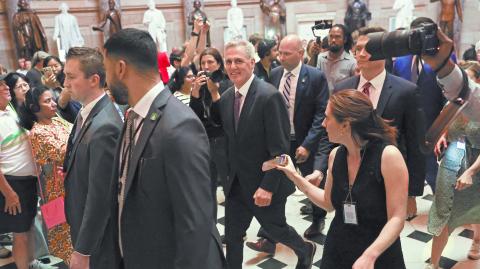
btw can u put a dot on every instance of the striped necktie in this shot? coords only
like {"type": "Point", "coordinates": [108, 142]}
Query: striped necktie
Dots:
{"type": "Point", "coordinates": [286, 88]}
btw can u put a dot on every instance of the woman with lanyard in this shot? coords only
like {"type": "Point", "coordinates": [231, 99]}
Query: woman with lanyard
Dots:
{"type": "Point", "coordinates": [366, 185]}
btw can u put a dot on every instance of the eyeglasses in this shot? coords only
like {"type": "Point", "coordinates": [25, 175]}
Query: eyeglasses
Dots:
{"type": "Point", "coordinates": [22, 86]}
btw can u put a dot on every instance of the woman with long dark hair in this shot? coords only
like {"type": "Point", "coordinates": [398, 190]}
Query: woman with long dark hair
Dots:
{"type": "Point", "coordinates": [366, 185]}
{"type": "Point", "coordinates": [211, 77]}
{"type": "Point", "coordinates": [49, 137]}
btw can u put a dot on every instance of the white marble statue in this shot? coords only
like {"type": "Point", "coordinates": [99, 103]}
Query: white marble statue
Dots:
{"type": "Point", "coordinates": [404, 15]}
{"type": "Point", "coordinates": [235, 23]}
{"type": "Point", "coordinates": [67, 33]}
{"type": "Point", "coordinates": [155, 21]}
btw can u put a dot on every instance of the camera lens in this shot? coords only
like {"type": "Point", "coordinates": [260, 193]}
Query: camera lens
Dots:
{"type": "Point", "coordinates": [385, 45]}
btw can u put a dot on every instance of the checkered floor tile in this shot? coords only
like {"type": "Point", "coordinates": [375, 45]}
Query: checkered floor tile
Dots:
{"type": "Point", "coordinates": [416, 241]}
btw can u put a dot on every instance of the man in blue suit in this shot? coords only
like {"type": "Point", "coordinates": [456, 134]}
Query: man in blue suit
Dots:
{"type": "Point", "coordinates": [305, 93]}
{"type": "Point", "coordinates": [431, 99]}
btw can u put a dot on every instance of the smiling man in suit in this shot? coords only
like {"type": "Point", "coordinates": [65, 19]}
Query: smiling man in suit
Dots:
{"type": "Point", "coordinates": [88, 162]}
{"type": "Point", "coordinates": [255, 119]}
{"type": "Point", "coordinates": [305, 92]}
{"type": "Point", "coordinates": [161, 171]}
{"type": "Point", "coordinates": [394, 99]}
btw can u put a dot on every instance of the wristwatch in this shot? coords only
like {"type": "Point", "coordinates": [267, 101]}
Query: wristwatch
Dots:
{"type": "Point", "coordinates": [194, 34]}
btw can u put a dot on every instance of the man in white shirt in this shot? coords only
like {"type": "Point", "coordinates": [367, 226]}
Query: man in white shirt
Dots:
{"type": "Point", "coordinates": [161, 180]}
{"type": "Point", "coordinates": [255, 118]}
{"type": "Point", "coordinates": [89, 163]}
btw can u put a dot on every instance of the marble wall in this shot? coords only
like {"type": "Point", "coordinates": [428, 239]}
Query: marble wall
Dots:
{"type": "Point", "coordinates": [300, 16]}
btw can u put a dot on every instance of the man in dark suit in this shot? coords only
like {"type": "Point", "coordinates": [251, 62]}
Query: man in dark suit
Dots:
{"type": "Point", "coordinates": [255, 120]}
{"type": "Point", "coordinates": [432, 100]}
{"type": "Point", "coordinates": [394, 99]}
{"type": "Point", "coordinates": [161, 175]}
{"type": "Point", "coordinates": [307, 100]}
{"type": "Point", "coordinates": [88, 162]}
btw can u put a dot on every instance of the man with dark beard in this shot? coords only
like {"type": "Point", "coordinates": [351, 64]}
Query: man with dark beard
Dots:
{"type": "Point", "coordinates": [88, 163]}
{"type": "Point", "coordinates": [337, 63]}
{"type": "Point", "coordinates": [161, 179]}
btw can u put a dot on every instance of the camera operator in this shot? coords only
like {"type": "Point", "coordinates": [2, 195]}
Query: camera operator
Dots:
{"type": "Point", "coordinates": [452, 79]}
{"type": "Point", "coordinates": [337, 63]}
{"type": "Point", "coordinates": [211, 78]}
{"type": "Point", "coordinates": [411, 68]}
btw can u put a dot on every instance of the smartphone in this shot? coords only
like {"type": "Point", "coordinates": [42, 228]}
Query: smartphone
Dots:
{"type": "Point", "coordinates": [282, 160]}
{"type": "Point", "coordinates": [47, 71]}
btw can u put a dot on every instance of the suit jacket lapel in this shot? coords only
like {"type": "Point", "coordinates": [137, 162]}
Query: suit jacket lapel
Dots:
{"type": "Point", "coordinates": [229, 121]}
{"type": "Point", "coordinates": [153, 117]}
{"type": "Point", "coordinates": [300, 91]}
{"type": "Point", "coordinates": [247, 105]}
{"type": "Point", "coordinates": [95, 110]}
{"type": "Point", "coordinates": [276, 80]}
{"type": "Point", "coordinates": [384, 95]}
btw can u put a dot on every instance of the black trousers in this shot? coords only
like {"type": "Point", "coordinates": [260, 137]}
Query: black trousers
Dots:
{"type": "Point", "coordinates": [218, 167]}
{"type": "Point", "coordinates": [306, 169]}
{"type": "Point", "coordinates": [239, 211]}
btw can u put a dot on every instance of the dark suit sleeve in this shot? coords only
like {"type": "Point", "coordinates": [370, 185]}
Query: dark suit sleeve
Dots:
{"type": "Point", "coordinates": [188, 181]}
{"type": "Point", "coordinates": [277, 129]}
{"type": "Point", "coordinates": [317, 135]}
{"type": "Point", "coordinates": [415, 134]}
{"type": "Point", "coordinates": [97, 205]}
{"type": "Point", "coordinates": [320, 87]}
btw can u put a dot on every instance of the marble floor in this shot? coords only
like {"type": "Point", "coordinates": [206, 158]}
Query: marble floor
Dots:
{"type": "Point", "coordinates": [416, 242]}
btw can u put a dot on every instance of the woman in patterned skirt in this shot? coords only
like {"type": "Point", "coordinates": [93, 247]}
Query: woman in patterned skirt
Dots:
{"type": "Point", "coordinates": [49, 137]}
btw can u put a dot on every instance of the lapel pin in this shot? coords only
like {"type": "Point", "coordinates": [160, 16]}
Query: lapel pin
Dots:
{"type": "Point", "coordinates": [303, 80]}
{"type": "Point", "coordinates": [154, 116]}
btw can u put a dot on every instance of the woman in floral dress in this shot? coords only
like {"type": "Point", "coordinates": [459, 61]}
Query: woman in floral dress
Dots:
{"type": "Point", "coordinates": [49, 137]}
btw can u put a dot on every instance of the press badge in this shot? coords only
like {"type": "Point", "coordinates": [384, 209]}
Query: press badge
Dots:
{"type": "Point", "coordinates": [349, 213]}
{"type": "Point", "coordinates": [349, 209]}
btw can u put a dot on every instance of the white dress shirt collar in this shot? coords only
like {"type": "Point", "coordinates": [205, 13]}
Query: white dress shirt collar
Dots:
{"type": "Point", "coordinates": [295, 71]}
{"type": "Point", "coordinates": [244, 89]}
{"type": "Point", "coordinates": [85, 111]}
{"type": "Point", "coordinates": [377, 82]}
{"type": "Point", "coordinates": [144, 104]}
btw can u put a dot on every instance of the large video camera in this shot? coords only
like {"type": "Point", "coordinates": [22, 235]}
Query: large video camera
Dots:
{"type": "Point", "coordinates": [421, 40]}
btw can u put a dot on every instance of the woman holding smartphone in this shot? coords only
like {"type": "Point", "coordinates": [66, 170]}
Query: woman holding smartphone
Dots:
{"type": "Point", "coordinates": [366, 186]}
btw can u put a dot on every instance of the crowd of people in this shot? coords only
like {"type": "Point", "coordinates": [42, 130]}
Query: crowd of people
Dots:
{"type": "Point", "coordinates": [123, 150]}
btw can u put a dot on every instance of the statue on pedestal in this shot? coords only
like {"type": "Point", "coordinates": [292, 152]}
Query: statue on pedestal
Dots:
{"type": "Point", "coordinates": [197, 13]}
{"type": "Point", "coordinates": [357, 15]}
{"type": "Point", "coordinates": [275, 19]}
{"type": "Point", "coordinates": [235, 23]}
{"type": "Point", "coordinates": [112, 18]}
{"type": "Point", "coordinates": [66, 33]}
{"type": "Point", "coordinates": [155, 21]}
{"type": "Point", "coordinates": [447, 15]}
{"type": "Point", "coordinates": [404, 15]}
{"type": "Point", "coordinates": [28, 31]}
